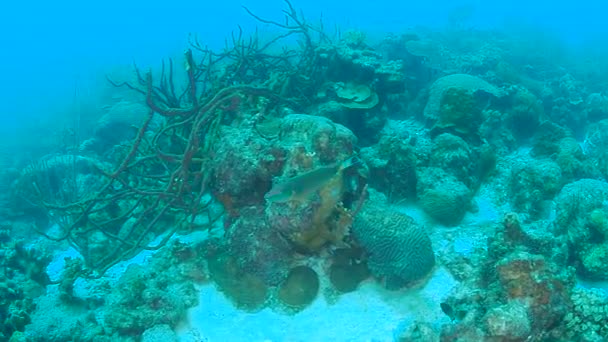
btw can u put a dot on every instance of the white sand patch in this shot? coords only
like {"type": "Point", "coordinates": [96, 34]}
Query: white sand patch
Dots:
{"type": "Point", "coordinates": [369, 314]}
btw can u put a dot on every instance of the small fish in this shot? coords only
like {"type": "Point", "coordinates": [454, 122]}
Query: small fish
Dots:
{"type": "Point", "coordinates": [299, 188]}
{"type": "Point", "coordinates": [451, 312]}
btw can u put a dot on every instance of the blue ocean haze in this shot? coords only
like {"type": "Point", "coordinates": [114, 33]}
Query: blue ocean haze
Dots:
{"type": "Point", "coordinates": [56, 51]}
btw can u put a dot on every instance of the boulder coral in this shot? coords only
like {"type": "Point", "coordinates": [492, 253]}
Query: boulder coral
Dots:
{"type": "Point", "coordinates": [392, 165]}
{"type": "Point", "coordinates": [580, 215]}
{"type": "Point", "coordinates": [532, 182]}
{"type": "Point", "coordinates": [453, 155]}
{"type": "Point", "coordinates": [300, 288]}
{"type": "Point", "coordinates": [452, 102]}
{"type": "Point", "coordinates": [443, 197]}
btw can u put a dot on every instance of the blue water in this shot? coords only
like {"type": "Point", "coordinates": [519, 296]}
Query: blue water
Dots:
{"type": "Point", "coordinates": [49, 48]}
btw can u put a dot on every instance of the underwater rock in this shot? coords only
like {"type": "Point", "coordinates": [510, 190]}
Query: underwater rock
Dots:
{"type": "Point", "coordinates": [565, 96]}
{"type": "Point", "coordinates": [535, 236]}
{"type": "Point", "coordinates": [300, 288]}
{"type": "Point", "coordinates": [496, 131]}
{"type": "Point", "coordinates": [573, 161]}
{"type": "Point", "coordinates": [461, 332]}
{"type": "Point", "coordinates": [350, 62]}
{"type": "Point", "coordinates": [595, 145]}
{"type": "Point", "coordinates": [512, 291]}
{"type": "Point", "coordinates": [358, 66]}
{"type": "Point", "coordinates": [391, 77]}
{"type": "Point", "coordinates": [358, 110]}
{"type": "Point", "coordinates": [399, 250]}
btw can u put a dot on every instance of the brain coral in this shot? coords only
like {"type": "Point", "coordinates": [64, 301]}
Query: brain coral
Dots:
{"type": "Point", "coordinates": [399, 250]}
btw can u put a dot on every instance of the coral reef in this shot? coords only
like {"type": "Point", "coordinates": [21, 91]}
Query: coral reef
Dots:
{"type": "Point", "coordinates": [517, 294]}
{"type": "Point", "coordinates": [453, 129]}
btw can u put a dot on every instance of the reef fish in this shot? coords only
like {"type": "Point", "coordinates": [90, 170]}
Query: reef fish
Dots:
{"type": "Point", "coordinates": [299, 188]}
{"type": "Point", "coordinates": [451, 312]}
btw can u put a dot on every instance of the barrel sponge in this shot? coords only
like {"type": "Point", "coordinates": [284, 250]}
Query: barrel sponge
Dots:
{"type": "Point", "coordinates": [399, 250]}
